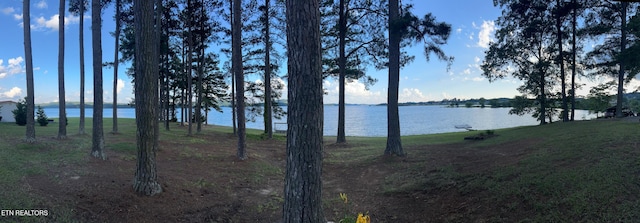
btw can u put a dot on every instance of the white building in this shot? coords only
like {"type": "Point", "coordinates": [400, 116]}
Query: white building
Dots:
{"type": "Point", "coordinates": [6, 108]}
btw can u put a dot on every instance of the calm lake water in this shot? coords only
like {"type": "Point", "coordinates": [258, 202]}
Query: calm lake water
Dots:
{"type": "Point", "coordinates": [363, 120]}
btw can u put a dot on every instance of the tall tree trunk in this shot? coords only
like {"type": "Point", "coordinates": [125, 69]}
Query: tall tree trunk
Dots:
{"type": "Point", "coordinates": [81, 41]}
{"type": "Point", "coordinates": [303, 178]}
{"type": "Point", "coordinates": [542, 100]}
{"type": "Point", "coordinates": [184, 103]}
{"type": "Point", "coordinates": [146, 93]}
{"type": "Point", "coordinates": [115, 70]}
{"type": "Point", "coordinates": [233, 102]}
{"type": "Point", "coordinates": [167, 94]}
{"type": "Point", "coordinates": [189, 74]}
{"type": "Point", "coordinates": [233, 79]}
{"type": "Point", "coordinates": [165, 72]}
{"type": "Point", "coordinates": [199, 89]}
{"type": "Point", "coordinates": [183, 99]}
{"type": "Point", "coordinates": [342, 63]}
{"type": "Point", "coordinates": [96, 35]}
{"type": "Point", "coordinates": [62, 127]}
{"type": "Point", "coordinates": [394, 144]}
{"type": "Point", "coordinates": [268, 123]}
{"type": "Point", "coordinates": [574, 24]}
{"type": "Point", "coordinates": [158, 32]}
{"type": "Point", "coordinates": [200, 72]}
{"type": "Point", "coordinates": [621, 72]}
{"type": "Point", "coordinates": [31, 130]}
{"type": "Point", "coordinates": [565, 110]}
{"type": "Point", "coordinates": [237, 66]}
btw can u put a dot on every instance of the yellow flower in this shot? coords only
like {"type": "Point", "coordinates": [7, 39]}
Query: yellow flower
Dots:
{"type": "Point", "coordinates": [363, 218]}
{"type": "Point", "coordinates": [343, 196]}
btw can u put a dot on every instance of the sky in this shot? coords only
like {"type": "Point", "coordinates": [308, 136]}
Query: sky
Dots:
{"type": "Point", "coordinates": [472, 23]}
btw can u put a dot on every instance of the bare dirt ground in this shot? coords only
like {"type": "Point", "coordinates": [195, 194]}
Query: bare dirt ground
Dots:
{"type": "Point", "coordinates": [204, 182]}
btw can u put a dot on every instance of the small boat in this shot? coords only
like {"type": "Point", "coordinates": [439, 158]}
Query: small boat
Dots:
{"type": "Point", "coordinates": [463, 126]}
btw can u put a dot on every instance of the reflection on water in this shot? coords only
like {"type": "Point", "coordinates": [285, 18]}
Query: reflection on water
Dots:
{"type": "Point", "coordinates": [363, 120]}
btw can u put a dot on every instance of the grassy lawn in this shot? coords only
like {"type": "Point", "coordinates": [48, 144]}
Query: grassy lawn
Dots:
{"type": "Point", "coordinates": [563, 172]}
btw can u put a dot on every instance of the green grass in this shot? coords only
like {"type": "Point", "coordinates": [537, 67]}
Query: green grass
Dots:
{"type": "Point", "coordinates": [583, 171]}
{"type": "Point", "coordinates": [19, 160]}
{"type": "Point", "coordinates": [589, 168]}
{"type": "Point", "coordinates": [580, 171]}
{"type": "Point", "coordinates": [263, 169]}
{"type": "Point", "coordinates": [574, 172]}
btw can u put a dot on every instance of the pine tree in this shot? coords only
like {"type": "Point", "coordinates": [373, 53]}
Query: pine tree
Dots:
{"type": "Point", "coordinates": [31, 130]}
{"type": "Point", "coordinates": [303, 177]}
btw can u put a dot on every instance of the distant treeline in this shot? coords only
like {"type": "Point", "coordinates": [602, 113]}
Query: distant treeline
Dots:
{"type": "Point", "coordinates": [86, 105]}
{"type": "Point", "coordinates": [581, 103]}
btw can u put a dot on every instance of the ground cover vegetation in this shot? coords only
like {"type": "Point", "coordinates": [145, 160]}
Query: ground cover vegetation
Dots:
{"type": "Point", "coordinates": [579, 171]}
{"type": "Point", "coordinates": [520, 171]}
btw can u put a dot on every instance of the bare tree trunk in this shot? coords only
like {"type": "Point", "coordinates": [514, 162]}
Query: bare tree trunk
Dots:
{"type": "Point", "coordinates": [199, 96]}
{"type": "Point", "coordinates": [303, 178]}
{"type": "Point", "coordinates": [158, 30]}
{"type": "Point", "coordinates": [394, 144]}
{"type": "Point", "coordinates": [233, 79]}
{"type": "Point", "coordinates": [31, 130]}
{"type": "Point", "coordinates": [81, 128]}
{"type": "Point", "coordinates": [574, 23]}
{"type": "Point", "coordinates": [62, 127]}
{"type": "Point", "coordinates": [237, 66]}
{"type": "Point", "coordinates": [268, 123]}
{"type": "Point", "coordinates": [565, 110]}
{"type": "Point", "coordinates": [165, 73]}
{"type": "Point", "coordinates": [146, 93]}
{"type": "Point", "coordinates": [183, 99]}
{"type": "Point", "coordinates": [342, 63]}
{"type": "Point", "coordinates": [189, 75]}
{"type": "Point", "coordinates": [115, 70]}
{"type": "Point", "coordinates": [233, 103]}
{"type": "Point", "coordinates": [96, 35]}
{"type": "Point", "coordinates": [621, 72]}
{"type": "Point", "coordinates": [543, 97]}
{"type": "Point", "coordinates": [200, 73]}
{"type": "Point", "coordinates": [167, 90]}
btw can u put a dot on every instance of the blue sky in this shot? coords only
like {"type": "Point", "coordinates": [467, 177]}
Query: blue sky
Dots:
{"type": "Point", "coordinates": [472, 24]}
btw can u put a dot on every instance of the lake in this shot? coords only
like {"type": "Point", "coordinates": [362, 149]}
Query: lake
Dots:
{"type": "Point", "coordinates": [365, 120]}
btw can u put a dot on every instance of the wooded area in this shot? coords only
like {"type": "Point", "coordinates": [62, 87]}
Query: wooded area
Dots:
{"type": "Point", "coordinates": [170, 44]}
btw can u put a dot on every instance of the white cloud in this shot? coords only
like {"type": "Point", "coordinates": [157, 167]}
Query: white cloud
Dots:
{"type": "Point", "coordinates": [478, 79]}
{"type": "Point", "coordinates": [15, 61]}
{"type": "Point", "coordinates": [467, 71]}
{"type": "Point", "coordinates": [13, 67]}
{"type": "Point", "coordinates": [119, 86]}
{"type": "Point", "coordinates": [485, 36]}
{"type": "Point", "coordinates": [476, 59]}
{"type": "Point", "coordinates": [41, 22]}
{"type": "Point", "coordinates": [52, 23]}
{"type": "Point", "coordinates": [412, 95]}
{"type": "Point", "coordinates": [17, 17]}
{"type": "Point", "coordinates": [583, 85]}
{"type": "Point", "coordinates": [357, 89]}
{"type": "Point", "coordinates": [41, 4]}
{"type": "Point", "coordinates": [355, 93]}
{"type": "Point", "coordinates": [15, 91]}
{"type": "Point", "coordinates": [327, 84]}
{"type": "Point", "coordinates": [7, 11]}
{"type": "Point", "coordinates": [459, 30]}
